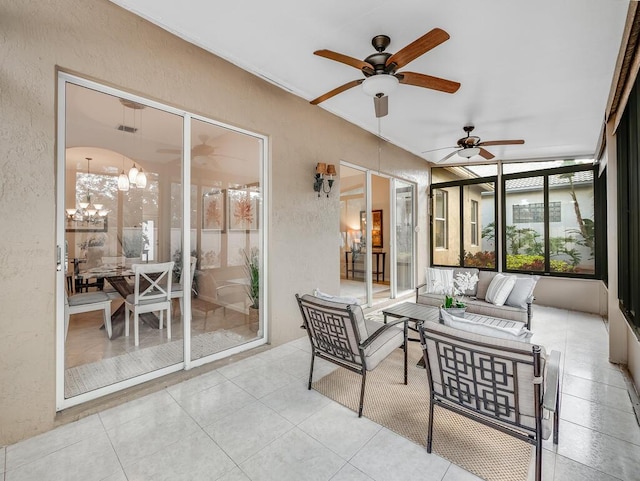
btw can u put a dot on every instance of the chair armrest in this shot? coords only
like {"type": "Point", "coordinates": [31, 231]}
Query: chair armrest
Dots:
{"type": "Point", "coordinates": [418, 289]}
{"type": "Point", "coordinates": [364, 344]}
{"type": "Point", "coordinates": [552, 382]}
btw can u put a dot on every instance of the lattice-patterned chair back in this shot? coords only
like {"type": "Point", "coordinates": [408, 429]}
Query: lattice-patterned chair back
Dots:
{"type": "Point", "coordinates": [497, 382]}
{"type": "Point", "coordinates": [340, 333]}
{"type": "Point", "coordinates": [333, 329]}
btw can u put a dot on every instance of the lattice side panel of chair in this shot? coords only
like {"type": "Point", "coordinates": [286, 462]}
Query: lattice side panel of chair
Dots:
{"type": "Point", "coordinates": [330, 334]}
{"type": "Point", "coordinates": [482, 382]}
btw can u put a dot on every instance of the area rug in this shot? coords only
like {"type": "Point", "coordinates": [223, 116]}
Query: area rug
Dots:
{"type": "Point", "coordinates": [486, 452]}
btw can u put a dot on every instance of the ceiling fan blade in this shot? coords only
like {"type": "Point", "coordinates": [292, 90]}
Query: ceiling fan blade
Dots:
{"type": "Point", "coordinates": [381, 105]}
{"type": "Point", "coordinates": [446, 157]}
{"type": "Point", "coordinates": [418, 47]}
{"type": "Point", "coordinates": [428, 82]}
{"type": "Point", "coordinates": [441, 148]}
{"type": "Point", "coordinates": [486, 154]}
{"type": "Point", "coordinates": [502, 142]}
{"type": "Point", "coordinates": [339, 57]}
{"type": "Point", "coordinates": [336, 91]}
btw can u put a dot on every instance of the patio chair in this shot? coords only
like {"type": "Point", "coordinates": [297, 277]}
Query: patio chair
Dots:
{"type": "Point", "coordinates": [87, 302]}
{"type": "Point", "coordinates": [152, 293]}
{"type": "Point", "coordinates": [339, 333]}
{"type": "Point", "coordinates": [507, 385]}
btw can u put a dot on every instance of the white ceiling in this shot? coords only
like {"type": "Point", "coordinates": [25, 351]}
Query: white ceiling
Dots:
{"type": "Point", "coordinates": [534, 70]}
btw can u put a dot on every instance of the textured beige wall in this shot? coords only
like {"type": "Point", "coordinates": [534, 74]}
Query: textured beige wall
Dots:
{"type": "Point", "coordinates": [98, 40]}
{"type": "Point", "coordinates": [585, 295]}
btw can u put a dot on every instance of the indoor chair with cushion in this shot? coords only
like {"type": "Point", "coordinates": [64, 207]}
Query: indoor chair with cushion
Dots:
{"type": "Point", "coordinates": [87, 302]}
{"type": "Point", "coordinates": [152, 293]}
{"type": "Point", "coordinates": [339, 333]}
{"type": "Point", "coordinates": [508, 385]}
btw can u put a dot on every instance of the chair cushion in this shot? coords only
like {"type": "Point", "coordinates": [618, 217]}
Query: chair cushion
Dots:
{"type": "Point", "coordinates": [132, 297]}
{"type": "Point", "coordinates": [383, 345]}
{"type": "Point", "coordinates": [329, 297]}
{"type": "Point", "coordinates": [499, 289]}
{"type": "Point", "coordinates": [355, 308]}
{"type": "Point", "coordinates": [438, 281]}
{"type": "Point", "coordinates": [88, 298]}
{"type": "Point", "coordinates": [522, 292]}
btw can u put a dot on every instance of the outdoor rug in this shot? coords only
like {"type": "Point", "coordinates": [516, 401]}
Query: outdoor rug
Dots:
{"type": "Point", "coordinates": [484, 451]}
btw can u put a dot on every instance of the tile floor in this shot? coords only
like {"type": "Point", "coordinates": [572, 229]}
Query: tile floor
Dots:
{"type": "Point", "coordinates": [255, 420]}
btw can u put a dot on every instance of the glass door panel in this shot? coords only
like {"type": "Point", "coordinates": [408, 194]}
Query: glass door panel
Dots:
{"type": "Point", "coordinates": [226, 233]}
{"type": "Point", "coordinates": [118, 192]}
{"type": "Point", "coordinates": [404, 233]}
{"type": "Point", "coordinates": [353, 249]}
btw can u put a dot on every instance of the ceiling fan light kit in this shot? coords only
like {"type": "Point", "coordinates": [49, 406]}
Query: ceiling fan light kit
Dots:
{"type": "Point", "coordinates": [380, 84]}
{"type": "Point", "coordinates": [469, 152]}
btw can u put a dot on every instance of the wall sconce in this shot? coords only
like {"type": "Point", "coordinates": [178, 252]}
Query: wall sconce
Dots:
{"type": "Point", "coordinates": [323, 170]}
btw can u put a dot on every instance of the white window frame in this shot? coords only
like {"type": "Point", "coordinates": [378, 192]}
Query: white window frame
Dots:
{"type": "Point", "coordinates": [441, 220]}
{"type": "Point", "coordinates": [474, 222]}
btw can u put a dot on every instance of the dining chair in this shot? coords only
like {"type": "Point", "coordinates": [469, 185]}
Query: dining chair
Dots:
{"type": "Point", "coordinates": [177, 289]}
{"type": "Point", "coordinates": [87, 302]}
{"type": "Point", "coordinates": [152, 293]}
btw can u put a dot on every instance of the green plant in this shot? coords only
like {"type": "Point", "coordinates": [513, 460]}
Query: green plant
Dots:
{"type": "Point", "coordinates": [252, 267]}
{"type": "Point", "coordinates": [452, 302]}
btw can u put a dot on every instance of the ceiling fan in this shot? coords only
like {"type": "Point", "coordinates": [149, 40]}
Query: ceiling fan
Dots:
{"type": "Point", "coordinates": [199, 150]}
{"type": "Point", "coordinates": [472, 145]}
{"type": "Point", "coordinates": [380, 70]}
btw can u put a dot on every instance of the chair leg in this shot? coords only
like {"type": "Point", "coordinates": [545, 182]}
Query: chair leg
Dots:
{"type": "Point", "coordinates": [405, 352]}
{"type": "Point", "coordinates": [136, 328]}
{"type": "Point", "coordinates": [169, 323]}
{"type": "Point", "coordinates": [126, 321]}
{"type": "Point", "coordinates": [107, 319]}
{"type": "Point", "coordinates": [161, 318]}
{"type": "Point", "coordinates": [538, 474]}
{"type": "Point", "coordinates": [181, 307]}
{"type": "Point", "coordinates": [430, 430]}
{"type": "Point", "coordinates": [313, 358]}
{"type": "Point", "coordinates": [364, 378]}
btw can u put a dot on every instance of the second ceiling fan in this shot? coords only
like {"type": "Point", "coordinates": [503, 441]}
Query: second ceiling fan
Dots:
{"type": "Point", "coordinates": [380, 70]}
{"type": "Point", "coordinates": [472, 145]}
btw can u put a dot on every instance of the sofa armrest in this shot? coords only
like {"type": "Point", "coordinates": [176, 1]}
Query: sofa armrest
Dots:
{"type": "Point", "coordinates": [418, 289]}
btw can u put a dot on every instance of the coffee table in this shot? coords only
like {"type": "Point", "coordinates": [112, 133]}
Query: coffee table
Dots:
{"type": "Point", "coordinates": [419, 313]}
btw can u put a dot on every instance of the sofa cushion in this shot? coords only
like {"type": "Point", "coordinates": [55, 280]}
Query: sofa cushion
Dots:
{"type": "Point", "coordinates": [499, 289]}
{"type": "Point", "coordinates": [511, 330]}
{"type": "Point", "coordinates": [438, 281]}
{"type": "Point", "coordinates": [522, 292]}
{"type": "Point", "coordinates": [332, 298]}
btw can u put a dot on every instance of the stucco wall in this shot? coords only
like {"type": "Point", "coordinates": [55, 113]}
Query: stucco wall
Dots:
{"type": "Point", "coordinates": [98, 40]}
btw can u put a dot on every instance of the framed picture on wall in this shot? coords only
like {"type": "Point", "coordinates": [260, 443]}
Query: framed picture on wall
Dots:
{"type": "Point", "coordinates": [213, 212]}
{"type": "Point", "coordinates": [243, 207]}
{"type": "Point", "coordinates": [376, 227]}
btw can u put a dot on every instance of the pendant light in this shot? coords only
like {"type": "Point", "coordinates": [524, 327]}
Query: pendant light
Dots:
{"type": "Point", "coordinates": [133, 175]}
{"type": "Point", "coordinates": [141, 179]}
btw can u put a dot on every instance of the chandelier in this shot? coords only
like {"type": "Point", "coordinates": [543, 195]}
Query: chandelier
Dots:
{"type": "Point", "coordinates": [136, 178]}
{"type": "Point", "coordinates": [86, 210]}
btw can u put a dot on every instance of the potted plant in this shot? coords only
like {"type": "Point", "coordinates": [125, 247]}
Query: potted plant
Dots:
{"type": "Point", "coordinates": [454, 298]}
{"type": "Point", "coordinates": [252, 268]}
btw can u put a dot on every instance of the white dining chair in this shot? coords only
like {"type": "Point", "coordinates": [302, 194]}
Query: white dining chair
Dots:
{"type": "Point", "coordinates": [177, 289]}
{"type": "Point", "coordinates": [87, 302]}
{"type": "Point", "coordinates": [152, 293]}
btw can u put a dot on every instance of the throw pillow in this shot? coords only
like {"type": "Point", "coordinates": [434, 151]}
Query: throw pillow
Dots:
{"type": "Point", "coordinates": [329, 297]}
{"type": "Point", "coordinates": [517, 332]}
{"type": "Point", "coordinates": [484, 279]}
{"type": "Point", "coordinates": [466, 271]}
{"type": "Point", "coordinates": [499, 289]}
{"type": "Point", "coordinates": [522, 291]}
{"type": "Point", "coordinates": [439, 281]}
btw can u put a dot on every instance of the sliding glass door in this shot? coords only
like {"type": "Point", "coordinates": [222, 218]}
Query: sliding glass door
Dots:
{"type": "Point", "coordinates": [140, 184]}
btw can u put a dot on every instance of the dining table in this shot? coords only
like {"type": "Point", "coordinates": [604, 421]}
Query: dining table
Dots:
{"type": "Point", "coordinates": [119, 276]}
